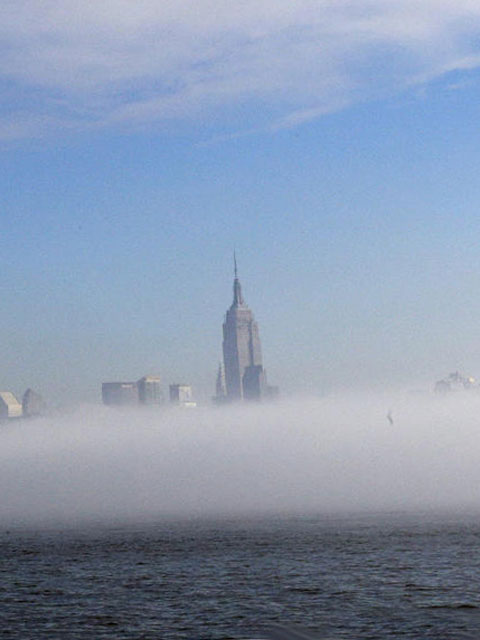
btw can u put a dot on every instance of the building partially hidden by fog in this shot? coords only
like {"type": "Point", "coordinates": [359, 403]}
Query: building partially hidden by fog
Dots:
{"type": "Point", "coordinates": [10, 407]}
{"type": "Point", "coordinates": [457, 382]}
{"type": "Point", "coordinates": [150, 390]}
{"type": "Point", "coordinates": [254, 382]}
{"type": "Point", "coordinates": [245, 377]}
{"type": "Point", "coordinates": [33, 404]}
{"type": "Point", "coordinates": [182, 395]}
{"type": "Point", "coordinates": [120, 393]}
{"type": "Point", "coordinates": [220, 396]}
{"type": "Point", "coordinates": [146, 391]}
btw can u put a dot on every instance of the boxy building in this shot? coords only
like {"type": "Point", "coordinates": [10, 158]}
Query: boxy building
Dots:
{"type": "Point", "coordinates": [120, 393]}
{"type": "Point", "coordinates": [150, 390]}
{"type": "Point", "coordinates": [10, 407]}
{"type": "Point", "coordinates": [181, 394]}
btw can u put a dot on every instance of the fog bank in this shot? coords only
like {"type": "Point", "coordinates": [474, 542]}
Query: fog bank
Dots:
{"type": "Point", "coordinates": [304, 455]}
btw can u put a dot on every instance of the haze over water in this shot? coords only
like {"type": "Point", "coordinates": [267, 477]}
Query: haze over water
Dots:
{"type": "Point", "coordinates": [305, 455]}
{"type": "Point", "coordinates": [335, 144]}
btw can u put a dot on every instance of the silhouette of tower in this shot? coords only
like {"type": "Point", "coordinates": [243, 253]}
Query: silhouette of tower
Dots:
{"type": "Point", "coordinates": [241, 342]}
{"type": "Point", "coordinates": [220, 391]}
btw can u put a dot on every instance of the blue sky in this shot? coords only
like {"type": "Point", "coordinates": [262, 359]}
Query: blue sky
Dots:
{"type": "Point", "coordinates": [334, 144]}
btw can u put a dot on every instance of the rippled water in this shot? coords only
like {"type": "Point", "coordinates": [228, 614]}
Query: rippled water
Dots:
{"type": "Point", "coordinates": [343, 577]}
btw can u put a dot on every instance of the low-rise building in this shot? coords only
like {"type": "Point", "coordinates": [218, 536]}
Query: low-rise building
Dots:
{"type": "Point", "coordinates": [182, 395]}
{"type": "Point", "coordinates": [120, 393]}
{"type": "Point", "coordinates": [33, 404]}
{"type": "Point", "coordinates": [10, 407]}
{"type": "Point", "coordinates": [150, 390]}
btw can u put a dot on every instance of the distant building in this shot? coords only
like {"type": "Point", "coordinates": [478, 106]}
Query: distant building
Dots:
{"type": "Point", "coordinates": [10, 407]}
{"type": "Point", "coordinates": [181, 394]}
{"type": "Point", "coordinates": [220, 396]}
{"type": "Point", "coordinates": [245, 377]}
{"type": "Point", "coordinates": [120, 393]}
{"type": "Point", "coordinates": [150, 390]}
{"type": "Point", "coordinates": [254, 382]}
{"type": "Point", "coordinates": [33, 404]}
{"type": "Point", "coordinates": [241, 341]}
{"type": "Point", "coordinates": [220, 389]}
{"type": "Point", "coordinates": [456, 382]}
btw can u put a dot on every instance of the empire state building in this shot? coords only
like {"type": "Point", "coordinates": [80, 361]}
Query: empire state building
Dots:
{"type": "Point", "coordinates": [242, 352]}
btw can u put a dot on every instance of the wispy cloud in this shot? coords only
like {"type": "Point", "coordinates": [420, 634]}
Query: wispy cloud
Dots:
{"type": "Point", "coordinates": [122, 63]}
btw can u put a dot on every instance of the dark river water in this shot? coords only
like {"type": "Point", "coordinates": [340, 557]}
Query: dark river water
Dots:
{"type": "Point", "coordinates": [410, 576]}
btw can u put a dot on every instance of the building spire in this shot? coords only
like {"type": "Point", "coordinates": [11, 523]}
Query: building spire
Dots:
{"type": "Point", "coordinates": [237, 287]}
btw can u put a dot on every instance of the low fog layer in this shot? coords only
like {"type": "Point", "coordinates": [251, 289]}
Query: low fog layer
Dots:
{"type": "Point", "coordinates": [304, 455]}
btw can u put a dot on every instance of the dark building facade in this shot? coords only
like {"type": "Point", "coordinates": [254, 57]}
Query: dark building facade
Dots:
{"type": "Point", "coordinates": [254, 383]}
{"type": "Point", "coordinates": [150, 390]}
{"type": "Point", "coordinates": [33, 404]}
{"type": "Point", "coordinates": [241, 346]}
{"type": "Point", "coordinates": [120, 393]}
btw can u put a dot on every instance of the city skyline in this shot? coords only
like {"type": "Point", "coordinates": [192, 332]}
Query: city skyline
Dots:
{"type": "Point", "coordinates": [334, 146]}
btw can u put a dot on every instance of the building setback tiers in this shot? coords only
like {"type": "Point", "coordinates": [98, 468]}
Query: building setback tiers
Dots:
{"type": "Point", "coordinates": [241, 344]}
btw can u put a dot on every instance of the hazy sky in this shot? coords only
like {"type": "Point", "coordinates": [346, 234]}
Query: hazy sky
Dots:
{"type": "Point", "coordinates": [334, 143]}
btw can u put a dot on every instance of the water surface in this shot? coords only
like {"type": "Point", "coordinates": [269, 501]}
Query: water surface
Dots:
{"type": "Point", "coordinates": [388, 576]}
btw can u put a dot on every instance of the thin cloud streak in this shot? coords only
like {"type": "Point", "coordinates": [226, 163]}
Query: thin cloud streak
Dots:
{"type": "Point", "coordinates": [118, 63]}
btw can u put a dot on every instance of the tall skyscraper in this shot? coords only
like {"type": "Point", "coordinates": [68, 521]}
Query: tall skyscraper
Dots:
{"type": "Point", "coordinates": [241, 342]}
